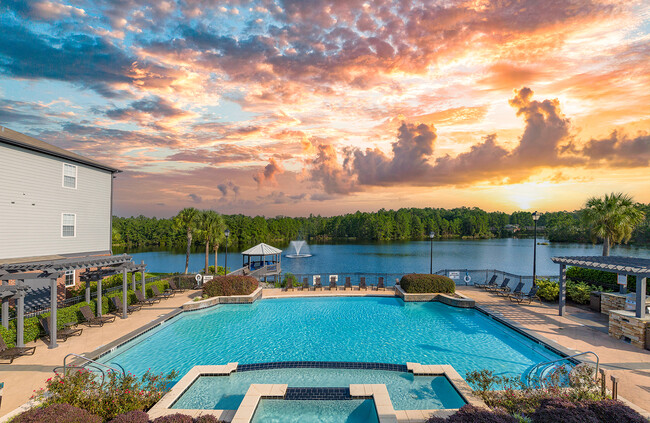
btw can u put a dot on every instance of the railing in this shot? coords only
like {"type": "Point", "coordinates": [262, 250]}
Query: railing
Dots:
{"type": "Point", "coordinates": [546, 363]}
{"type": "Point", "coordinates": [88, 364]}
{"type": "Point", "coordinates": [473, 276]}
{"type": "Point", "coordinates": [390, 279]}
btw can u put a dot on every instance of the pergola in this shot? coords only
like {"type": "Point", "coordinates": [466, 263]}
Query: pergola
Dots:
{"type": "Point", "coordinates": [615, 264]}
{"type": "Point", "coordinates": [23, 273]}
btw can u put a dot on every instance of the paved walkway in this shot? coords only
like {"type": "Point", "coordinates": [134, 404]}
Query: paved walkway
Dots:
{"type": "Point", "coordinates": [29, 373]}
{"type": "Point", "coordinates": [580, 330]}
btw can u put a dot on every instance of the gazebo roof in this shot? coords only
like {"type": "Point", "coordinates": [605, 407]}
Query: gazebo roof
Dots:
{"type": "Point", "coordinates": [630, 265]}
{"type": "Point", "coordinates": [261, 250]}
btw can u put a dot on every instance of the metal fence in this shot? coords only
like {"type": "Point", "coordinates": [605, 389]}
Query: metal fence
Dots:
{"type": "Point", "coordinates": [469, 277]}
{"type": "Point", "coordinates": [371, 278]}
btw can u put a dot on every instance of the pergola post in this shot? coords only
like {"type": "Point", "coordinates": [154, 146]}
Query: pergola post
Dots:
{"type": "Point", "coordinates": [133, 281]}
{"type": "Point", "coordinates": [5, 312]}
{"type": "Point", "coordinates": [20, 319]}
{"type": "Point", "coordinates": [87, 291]}
{"type": "Point", "coordinates": [53, 310]}
{"type": "Point", "coordinates": [622, 289]}
{"type": "Point", "coordinates": [125, 287]}
{"type": "Point", "coordinates": [142, 280]}
{"type": "Point", "coordinates": [640, 296]}
{"type": "Point", "coordinates": [99, 297]}
{"type": "Point", "coordinates": [562, 299]}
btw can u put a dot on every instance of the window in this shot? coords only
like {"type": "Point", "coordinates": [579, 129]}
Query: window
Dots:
{"type": "Point", "coordinates": [68, 225]}
{"type": "Point", "coordinates": [69, 278]}
{"type": "Point", "coordinates": [69, 176]}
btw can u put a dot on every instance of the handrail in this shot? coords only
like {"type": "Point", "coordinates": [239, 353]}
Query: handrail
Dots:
{"type": "Point", "coordinates": [538, 365]}
{"type": "Point", "coordinates": [93, 364]}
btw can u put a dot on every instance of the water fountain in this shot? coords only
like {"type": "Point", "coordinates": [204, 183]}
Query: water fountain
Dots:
{"type": "Point", "coordinates": [298, 249]}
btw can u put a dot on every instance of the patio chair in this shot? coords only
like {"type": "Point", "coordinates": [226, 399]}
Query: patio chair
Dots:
{"type": "Point", "coordinates": [317, 284]}
{"type": "Point", "coordinates": [157, 294]}
{"type": "Point", "coordinates": [173, 287]}
{"type": "Point", "coordinates": [502, 287]}
{"type": "Point", "coordinates": [11, 354]}
{"type": "Point", "coordinates": [117, 303]}
{"type": "Point", "coordinates": [362, 283]}
{"type": "Point", "coordinates": [488, 284]}
{"type": "Point", "coordinates": [347, 285]}
{"type": "Point", "coordinates": [506, 293]}
{"type": "Point", "coordinates": [64, 333]}
{"type": "Point", "coordinates": [380, 284]}
{"type": "Point", "coordinates": [305, 284]}
{"type": "Point", "coordinates": [90, 319]}
{"type": "Point", "coordinates": [145, 301]}
{"type": "Point", "coordinates": [333, 286]}
{"type": "Point", "coordinates": [530, 296]}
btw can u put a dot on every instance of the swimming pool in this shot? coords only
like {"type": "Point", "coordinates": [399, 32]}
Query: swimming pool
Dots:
{"type": "Point", "coordinates": [366, 329]}
{"type": "Point", "coordinates": [282, 411]}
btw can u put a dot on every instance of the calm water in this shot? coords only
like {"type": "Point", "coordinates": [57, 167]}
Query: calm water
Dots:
{"type": "Point", "coordinates": [371, 329]}
{"type": "Point", "coordinates": [507, 254]}
{"type": "Point", "coordinates": [281, 411]}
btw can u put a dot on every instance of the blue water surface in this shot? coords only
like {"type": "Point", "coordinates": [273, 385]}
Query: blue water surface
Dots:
{"type": "Point", "coordinates": [371, 329]}
{"type": "Point", "coordinates": [281, 411]}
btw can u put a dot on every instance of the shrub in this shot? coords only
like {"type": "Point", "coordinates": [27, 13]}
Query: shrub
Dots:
{"type": "Point", "coordinates": [548, 290]}
{"type": "Point", "coordinates": [174, 418]}
{"type": "Point", "coordinates": [579, 292]}
{"type": "Point", "coordinates": [599, 278]}
{"type": "Point", "coordinates": [613, 411]}
{"type": "Point", "coordinates": [223, 286]}
{"type": "Point", "coordinates": [289, 280]}
{"type": "Point", "coordinates": [207, 418]}
{"type": "Point", "coordinates": [557, 410]}
{"type": "Point", "coordinates": [135, 416]}
{"type": "Point", "coordinates": [57, 413]}
{"type": "Point", "coordinates": [425, 283]}
{"type": "Point", "coordinates": [470, 414]}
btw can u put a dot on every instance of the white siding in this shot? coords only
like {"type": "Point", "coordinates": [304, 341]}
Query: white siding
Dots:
{"type": "Point", "coordinates": [33, 199]}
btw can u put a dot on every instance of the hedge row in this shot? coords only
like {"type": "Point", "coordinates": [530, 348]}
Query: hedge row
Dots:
{"type": "Point", "coordinates": [600, 278]}
{"type": "Point", "coordinates": [415, 283]}
{"type": "Point", "coordinates": [576, 291]}
{"type": "Point", "coordinates": [33, 331]}
{"type": "Point", "coordinates": [230, 285]}
{"type": "Point", "coordinates": [65, 413]}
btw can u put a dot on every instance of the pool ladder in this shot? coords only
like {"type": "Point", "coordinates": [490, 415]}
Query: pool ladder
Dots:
{"type": "Point", "coordinates": [551, 366]}
{"type": "Point", "coordinates": [88, 364]}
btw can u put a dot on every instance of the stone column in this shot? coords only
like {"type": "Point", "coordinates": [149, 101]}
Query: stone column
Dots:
{"type": "Point", "coordinates": [5, 312]}
{"type": "Point", "coordinates": [562, 299]}
{"type": "Point", "coordinates": [53, 311]}
{"type": "Point", "coordinates": [20, 319]}
{"type": "Point", "coordinates": [87, 291]}
{"type": "Point", "coordinates": [99, 297]}
{"type": "Point", "coordinates": [125, 287]}
{"type": "Point", "coordinates": [133, 281]}
{"type": "Point", "coordinates": [142, 282]}
{"type": "Point", "coordinates": [640, 296]}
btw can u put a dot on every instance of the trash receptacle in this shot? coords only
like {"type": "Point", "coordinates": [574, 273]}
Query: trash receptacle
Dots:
{"type": "Point", "coordinates": [594, 301]}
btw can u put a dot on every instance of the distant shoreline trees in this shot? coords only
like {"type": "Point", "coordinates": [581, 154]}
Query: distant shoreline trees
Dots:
{"type": "Point", "coordinates": [382, 225]}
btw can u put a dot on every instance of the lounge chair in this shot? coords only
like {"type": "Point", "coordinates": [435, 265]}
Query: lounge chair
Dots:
{"type": "Point", "coordinates": [333, 286]}
{"type": "Point", "coordinates": [90, 319]}
{"type": "Point", "coordinates": [145, 301]}
{"type": "Point", "coordinates": [502, 287]}
{"type": "Point", "coordinates": [530, 296]}
{"type": "Point", "coordinates": [317, 284]}
{"type": "Point", "coordinates": [348, 285]}
{"type": "Point", "coordinates": [157, 294]}
{"type": "Point", "coordinates": [506, 293]}
{"type": "Point", "coordinates": [362, 283]}
{"type": "Point", "coordinates": [380, 284]}
{"type": "Point", "coordinates": [488, 284]}
{"type": "Point", "coordinates": [117, 303]}
{"type": "Point", "coordinates": [11, 354]}
{"type": "Point", "coordinates": [305, 284]}
{"type": "Point", "coordinates": [64, 333]}
{"type": "Point", "coordinates": [173, 287]}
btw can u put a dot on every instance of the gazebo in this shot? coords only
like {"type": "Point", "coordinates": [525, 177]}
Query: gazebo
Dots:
{"type": "Point", "coordinates": [21, 274]}
{"type": "Point", "coordinates": [262, 260]}
{"type": "Point", "coordinates": [627, 324]}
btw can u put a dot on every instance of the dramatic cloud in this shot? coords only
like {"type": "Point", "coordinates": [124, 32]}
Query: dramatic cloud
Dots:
{"type": "Point", "coordinates": [619, 151]}
{"type": "Point", "coordinates": [268, 174]}
{"type": "Point", "coordinates": [153, 111]}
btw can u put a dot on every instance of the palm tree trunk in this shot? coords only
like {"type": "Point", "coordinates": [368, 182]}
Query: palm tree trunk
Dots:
{"type": "Point", "coordinates": [216, 268]}
{"type": "Point", "coordinates": [207, 256]}
{"type": "Point", "coordinates": [606, 246]}
{"type": "Point", "coordinates": [187, 253]}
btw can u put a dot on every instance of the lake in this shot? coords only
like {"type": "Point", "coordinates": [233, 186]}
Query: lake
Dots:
{"type": "Point", "coordinates": [508, 254]}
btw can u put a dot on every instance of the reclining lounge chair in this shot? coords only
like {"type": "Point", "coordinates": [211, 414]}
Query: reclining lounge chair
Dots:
{"type": "Point", "coordinates": [507, 293]}
{"type": "Point", "coordinates": [489, 284]}
{"type": "Point", "coordinates": [90, 319]}
{"type": "Point", "coordinates": [529, 297]}
{"type": "Point", "coordinates": [117, 303]}
{"type": "Point", "coordinates": [11, 354]}
{"type": "Point", "coordinates": [62, 334]}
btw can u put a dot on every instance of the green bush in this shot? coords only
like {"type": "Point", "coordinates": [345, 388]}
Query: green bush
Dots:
{"type": "Point", "coordinates": [224, 286]}
{"type": "Point", "coordinates": [579, 292]}
{"type": "Point", "coordinates": [600, 278]}
{"type": "Point", "coordinates": [415, 283]}
{"type": "Point", "coordinates": [290, 279]}
{"type": "Point", "coordinates": [548, 290]}
{"type": "Point", "coordinates": [220, 270]}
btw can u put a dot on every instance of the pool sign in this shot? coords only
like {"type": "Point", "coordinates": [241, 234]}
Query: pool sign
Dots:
{"type": "Point", "coordinates": [207, 278]}
{"type": "Point", "coordinates": [454, 275]}
{"type": "Point", "coordinates": [622, 280]}
{"type": "Point", "coordinates": [198, 277]}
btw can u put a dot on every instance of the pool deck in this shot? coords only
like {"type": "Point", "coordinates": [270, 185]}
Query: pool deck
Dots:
{"type": "Point", "coordinates": [579, 330]}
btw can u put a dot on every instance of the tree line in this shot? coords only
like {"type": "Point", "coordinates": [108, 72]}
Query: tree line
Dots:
{"type": "Point", "coordinates": [382, 225]}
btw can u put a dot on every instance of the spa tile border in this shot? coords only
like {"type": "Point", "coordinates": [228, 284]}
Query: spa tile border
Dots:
{"type": "Point", "coordinates": [322, 365]}
{"type": "Point", "coordinates": [321, 394]}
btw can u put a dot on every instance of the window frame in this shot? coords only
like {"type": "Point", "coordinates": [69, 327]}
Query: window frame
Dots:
{"type": "Point", "coordinates": [74, 226]}
{"type": "Point", "coordinates": [74, 278]}
{"type": "Point", "coordinates": [76, 174]}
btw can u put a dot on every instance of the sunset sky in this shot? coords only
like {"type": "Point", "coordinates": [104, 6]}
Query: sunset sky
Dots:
{"type": "Point", "coordinates": [332, 106]}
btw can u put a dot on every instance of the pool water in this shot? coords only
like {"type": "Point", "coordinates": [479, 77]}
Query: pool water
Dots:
{"type": "Point", "coordinates": [282, 411]}
{"type": "Point", "coordinates": [407, 392]}
{"type": "Point", "coordinates": [370, 329]}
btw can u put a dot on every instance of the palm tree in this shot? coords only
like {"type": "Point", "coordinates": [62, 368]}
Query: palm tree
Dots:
{"type": "Point", "coordinates": [210, 225]}
{"type": "Point", "coordinates": [186, 220]}
{"type": "Point", "coordinates": [612, 218]}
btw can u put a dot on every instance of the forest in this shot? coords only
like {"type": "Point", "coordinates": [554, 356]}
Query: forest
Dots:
{"type": "Point", "coordinates": [382, 225]}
